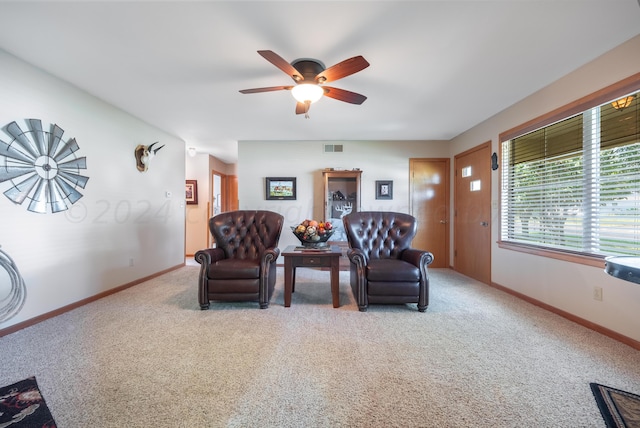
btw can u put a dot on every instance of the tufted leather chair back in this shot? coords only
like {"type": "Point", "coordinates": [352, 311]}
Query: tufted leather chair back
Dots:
{"type": "Point", "coordinates": [380, 235]}
{"type": "Point", "coordinates": [245, 234]}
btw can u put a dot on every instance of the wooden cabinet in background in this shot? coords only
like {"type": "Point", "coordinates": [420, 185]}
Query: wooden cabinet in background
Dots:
{"type": "Point", "coordinates": [341, 197]}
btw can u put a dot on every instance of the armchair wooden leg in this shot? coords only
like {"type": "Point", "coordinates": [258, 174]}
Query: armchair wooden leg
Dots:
{"type": "Point", "coordinates": [264, 305]}
{"type": "Point", "coordinates": [362, 308]}
{"type": "Point", "coordinates": [204, 307]}
{"type": "Point", "coordinates": [422, 308]}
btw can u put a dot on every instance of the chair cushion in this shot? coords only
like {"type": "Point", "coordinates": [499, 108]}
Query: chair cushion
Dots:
{"type": "Point", "coordinates": [235, 269]}
{"type": "Point", "coordinates": [392, 270]}
{"type": "Point", "coordinates": [234, 289]}
{"type": "Point", "coordinates": [392, 292]}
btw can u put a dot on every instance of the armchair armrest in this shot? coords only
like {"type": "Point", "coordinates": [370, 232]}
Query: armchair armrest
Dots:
{"type": "Point", "coordinates": [420, 259]}
{"type": "Point", "coordinates": [206, 258]}
{"type": "Point", "coordinates": [357, 256]}
{"type": "Point", "coordinates": [209, 256]}
{"type": "Point", "coordinates": [359, 260]}
{"type": "Point", "coordinates": [417, 257]}
{"type": "Point", "coordinates": [270, 255]}
{"type": "Point", "coordinates": [268, 268]}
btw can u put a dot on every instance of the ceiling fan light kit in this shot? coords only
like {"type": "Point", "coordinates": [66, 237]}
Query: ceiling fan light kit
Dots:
{"type": "Point", "coordinates": [307, 92]}
{"type": "Point", "coordinates": [309, 75]}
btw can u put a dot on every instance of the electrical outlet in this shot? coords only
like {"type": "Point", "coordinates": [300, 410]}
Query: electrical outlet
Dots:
{"type": "Point", "coordinates": [597, 293]}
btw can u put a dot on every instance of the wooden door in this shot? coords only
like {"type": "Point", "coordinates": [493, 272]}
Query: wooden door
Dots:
{"type": "Point", "coordinates": [472, 213]}
{"type": "Point", "coordinates": [429, 204]}
{"type": "Point", "coordinates": [230, 200]}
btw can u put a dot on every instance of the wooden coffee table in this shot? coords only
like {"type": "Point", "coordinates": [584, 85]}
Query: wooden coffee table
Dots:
{"type": "Point", "coordinates": [295, 258]}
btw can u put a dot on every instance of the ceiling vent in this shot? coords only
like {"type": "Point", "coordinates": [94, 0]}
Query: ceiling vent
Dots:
{"type": "Point", "coordinates": [333, 148]}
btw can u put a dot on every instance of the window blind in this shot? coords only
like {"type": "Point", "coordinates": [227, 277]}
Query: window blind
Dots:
{"type": "Point", "coordinates": [574, 185]}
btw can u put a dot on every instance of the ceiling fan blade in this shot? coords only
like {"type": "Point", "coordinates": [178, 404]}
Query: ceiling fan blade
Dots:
{"type": "Point", "coordinates": [343, 95]}
{"type": "Point", "coordinates": [267, 89]}
{"type": "Point", "coordinates": [282, 64]}
{"type": "Point", "coordinates": [342, 69]}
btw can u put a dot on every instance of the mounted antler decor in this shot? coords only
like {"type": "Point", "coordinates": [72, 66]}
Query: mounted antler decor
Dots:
{"type": "Point", "coordinates": [144, 154]}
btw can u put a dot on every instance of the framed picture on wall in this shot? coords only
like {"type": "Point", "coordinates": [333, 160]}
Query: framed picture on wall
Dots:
{"type": "Point", "coordinates": [280, 188]}
{"type": "Point", "coordinates": [191, 190]}
{"type": "Point", "coordinates": [384, 189]}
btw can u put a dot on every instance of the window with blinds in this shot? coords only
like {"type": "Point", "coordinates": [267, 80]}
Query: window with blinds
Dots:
{"type": "Point", "coordinates": [574, 185]}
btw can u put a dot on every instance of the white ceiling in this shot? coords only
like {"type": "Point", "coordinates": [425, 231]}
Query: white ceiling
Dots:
{"type": "Point", "coordinates": [437, 67]}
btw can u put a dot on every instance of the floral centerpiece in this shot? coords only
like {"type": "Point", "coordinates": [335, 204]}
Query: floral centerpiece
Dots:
{"type": "Point", "coordinates": [313, 233]}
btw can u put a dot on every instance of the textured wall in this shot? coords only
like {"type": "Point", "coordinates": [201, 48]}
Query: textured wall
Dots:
{"type": "Point", "coordinates": [123, 215]}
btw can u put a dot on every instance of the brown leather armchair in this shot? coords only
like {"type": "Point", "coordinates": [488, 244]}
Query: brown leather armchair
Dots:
{"type": "Point", "coordinates": [384, 268]}
{"type": "Point", "coordinates": [242, 267]}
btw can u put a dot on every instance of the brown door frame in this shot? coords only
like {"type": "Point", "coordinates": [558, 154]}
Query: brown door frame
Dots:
{"type": "Point", "coordinates": [228, 196]}
{"type": "Point", "coordinates": [228, 191]}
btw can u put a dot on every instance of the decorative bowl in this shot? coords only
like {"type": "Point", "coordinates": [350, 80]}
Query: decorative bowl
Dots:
{"type": "Point", "coordinates": [311, 235]}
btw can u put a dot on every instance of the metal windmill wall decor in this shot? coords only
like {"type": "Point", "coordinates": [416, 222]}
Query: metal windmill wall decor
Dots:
{"type": "Point", "coordinates": [41, 168]}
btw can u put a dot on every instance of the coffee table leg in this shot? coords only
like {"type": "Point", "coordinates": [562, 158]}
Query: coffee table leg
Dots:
{"type": "Point", "coordinates": [335, 281]}
{"type": "Point", "coordinates": [293, 281]}
{"type": "Point", "coordinates": [288, 281]}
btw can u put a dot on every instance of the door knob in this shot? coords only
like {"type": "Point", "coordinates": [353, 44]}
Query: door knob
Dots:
{"type": "Point", "coordinates": [484, 224]}
{"type": "Point", "coordinates": [443, 221]}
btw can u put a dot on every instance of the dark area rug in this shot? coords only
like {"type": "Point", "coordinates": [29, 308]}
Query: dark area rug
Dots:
{"type": "Point", "coordinates": [22, 405]}
{"type": "Point", "coordinates": [620, 409]}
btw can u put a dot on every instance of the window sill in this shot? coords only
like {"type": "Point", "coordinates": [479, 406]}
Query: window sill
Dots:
{"type": "Point", "coordinates": [584, 259]}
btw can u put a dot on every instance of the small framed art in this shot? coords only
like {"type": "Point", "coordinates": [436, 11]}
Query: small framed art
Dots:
{"type": "Point", "coordinates": [384, 189]}
{"type": "Point", "coordinates": [280, 188]}
{"type": "Point", "coordinates": [191, 192]}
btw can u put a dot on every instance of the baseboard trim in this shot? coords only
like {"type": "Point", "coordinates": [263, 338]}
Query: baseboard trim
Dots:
{"type": "Point", "coordinates": [581, 321]}
{"type": "Point", "coordinates": [33, 321]}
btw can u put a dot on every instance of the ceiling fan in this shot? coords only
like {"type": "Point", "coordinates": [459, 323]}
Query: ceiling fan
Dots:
{"type": "Point", "coordinates": [310, 76]}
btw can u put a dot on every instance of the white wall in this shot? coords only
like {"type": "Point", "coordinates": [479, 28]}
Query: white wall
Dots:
{"type": "Point", "coordinates": [197, 168]}
{"type": "Point", "coordinates": [305, 160]}
{"type": "Point", "coordinates": [123, 215]}
{"type": "Point", "coordinates": [567, 286]}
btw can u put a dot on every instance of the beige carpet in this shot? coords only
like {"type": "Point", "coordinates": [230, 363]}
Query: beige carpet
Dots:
{"type": "Point", "coordinates": [149, 357]}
